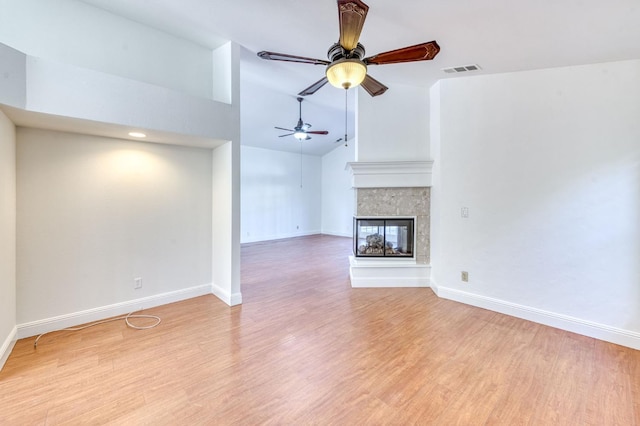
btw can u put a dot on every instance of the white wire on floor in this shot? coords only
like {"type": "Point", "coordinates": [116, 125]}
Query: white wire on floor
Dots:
{"type": "Point", "coordinates": [125, 318]}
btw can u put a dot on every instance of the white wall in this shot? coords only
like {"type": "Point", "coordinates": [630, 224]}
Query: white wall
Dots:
{"type": "Point", "coordinates": [90, 37]}
{"type": "Point", "coordinates": [225, 177]}
{"type": "Point", "coordinates": [392, 127]}
{"type": "Point", "coordinates": [93, 213]}
{"type": "Point", "coordinates": [65, 90]}
{"type": "Point", "coordinates": [222, 74]}
{"type": "Point", "coordinates": [281, 194]}
{"type": "Point", "coordinates": [548, 163]}
{"type": "Point", "coordinates": [7, 236]}
{"type": "Point", "coordinates": [338, 196]}
{"type": "Point", "coordinates": [226, 223]}
{"type": "Point", "coordinates": [13, 84]}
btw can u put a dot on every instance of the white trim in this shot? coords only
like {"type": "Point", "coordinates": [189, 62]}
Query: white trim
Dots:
{"type": "Point", "coordinates": [230, 299]}
{"type": "Point", "coordinates": [390, 174]}
{"type": "Point", "coordinates": [338, 234]}
{"type": "Point", "coordinates": [564, 322]}
{"type": "Point", "coordinates": [375, 282]}
{"type": "Point", "coordinates": [35, 328]}
{"type": "Point", "coordinates": [7, 346]}
{"type": "Point", "coordinates": [246, 240]}
{"type": "Point", "coordinates": [388, 273]}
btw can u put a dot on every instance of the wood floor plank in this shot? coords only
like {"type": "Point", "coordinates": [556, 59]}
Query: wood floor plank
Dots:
{"type": "Point", "coordinates": [305, 348]}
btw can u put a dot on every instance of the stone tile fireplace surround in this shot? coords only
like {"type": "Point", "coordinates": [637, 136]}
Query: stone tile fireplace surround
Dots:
{"type": "Point", "coordinates": [388, 190]}
{"type": "Point", "coordinates": [392, 202]}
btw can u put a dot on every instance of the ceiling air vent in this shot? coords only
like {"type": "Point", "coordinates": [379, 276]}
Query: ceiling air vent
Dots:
{"type": "Point", "coordinates": [463, 68]}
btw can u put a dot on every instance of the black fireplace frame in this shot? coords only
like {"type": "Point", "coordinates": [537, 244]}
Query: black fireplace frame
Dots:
{"type": "Point", "coordinates": [386, 251]}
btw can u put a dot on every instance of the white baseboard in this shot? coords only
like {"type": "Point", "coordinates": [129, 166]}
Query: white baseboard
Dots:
{"type": "Point", "coordinates": [338, 234]}
{"type": "Point", "coordinates": [564, 322]}
{"type": "Point", "coordinates": [7, 346]}
{"type": "Point", "coordinates": [373, 282]}
{"type": "Point", "coordinates": [35, 328]}
{"type": "Point", "coordinates": [245, 240]}
{"type": "Point", "coordinates": [225, 296]}
{"type": "Point", "coordinates": [377, 273]}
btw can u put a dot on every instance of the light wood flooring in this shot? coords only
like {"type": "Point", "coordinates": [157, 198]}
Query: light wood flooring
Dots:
{"type": "Point", "coordinates": [305, 348]}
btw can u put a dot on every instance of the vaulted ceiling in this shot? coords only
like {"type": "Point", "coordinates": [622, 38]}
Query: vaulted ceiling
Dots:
{"type": "Point", "coordinates": [498, 35]}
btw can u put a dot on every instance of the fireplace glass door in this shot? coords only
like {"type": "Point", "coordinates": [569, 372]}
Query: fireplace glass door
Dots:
{"type": "Point", "coordinates": [383, 237]}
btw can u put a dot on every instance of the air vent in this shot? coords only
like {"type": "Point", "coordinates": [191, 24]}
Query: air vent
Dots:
{"type": "Point", "coordinates": [463, 68]}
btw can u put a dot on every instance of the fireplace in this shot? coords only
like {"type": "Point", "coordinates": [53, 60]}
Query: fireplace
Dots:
{"type": "Point", "coordinates": [399, 203]}
{"type": "Point", "coordinates": [383, 237]}
{"type": "Point", "coordinates": [391, 238]}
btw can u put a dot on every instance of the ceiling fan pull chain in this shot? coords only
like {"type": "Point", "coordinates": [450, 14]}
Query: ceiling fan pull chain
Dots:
{"type": "Point", "coordinates": [346, 91]}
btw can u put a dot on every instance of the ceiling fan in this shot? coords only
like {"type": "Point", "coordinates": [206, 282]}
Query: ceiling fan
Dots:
{"type": "Point", "coordinates": [346, 67]}
{"type": "Point", "coordinates": [301, 131]}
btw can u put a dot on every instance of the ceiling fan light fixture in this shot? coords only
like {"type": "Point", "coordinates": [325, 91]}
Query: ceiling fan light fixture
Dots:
{"type": "Point", "coordinates": [300, 135]}
{"type": "Point", "coordinates": [346, 73]}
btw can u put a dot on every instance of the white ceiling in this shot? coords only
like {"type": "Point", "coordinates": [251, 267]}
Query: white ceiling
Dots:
{"type": "Point", "coordinates": [499, 35]}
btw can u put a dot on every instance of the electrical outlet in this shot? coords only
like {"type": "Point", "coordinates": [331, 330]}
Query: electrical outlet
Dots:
{"type": "Point", "coordinates": [464, 276]}
{"type": "Point", "coordinates": [137, 283]}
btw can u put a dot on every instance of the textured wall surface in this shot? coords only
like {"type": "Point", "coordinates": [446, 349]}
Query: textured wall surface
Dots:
{"type": "Point", "coordinates": [391, 202]}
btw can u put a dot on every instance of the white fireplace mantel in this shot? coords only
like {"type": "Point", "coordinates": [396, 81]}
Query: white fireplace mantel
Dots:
{"type": "Point", "coordinates": [390, 174]}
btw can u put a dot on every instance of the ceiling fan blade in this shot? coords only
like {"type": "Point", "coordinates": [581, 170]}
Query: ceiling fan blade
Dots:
{"type": "Point", "coordinates": [318, 132]}
{"type": "Point", "coordinates": [273, 56]}
{"type": "Point", "coordinates": [314, 87]}
{"type": "Point", "coordinates": [373, 86]}
{"type": "Point", "coordinates": [288, 134]}
{"type": "Point", "coordinates": [352, 14]}
{"type": "Point", "coordinates": [419, 52]}
{"type": "Point", "coordinates": [282, 128]}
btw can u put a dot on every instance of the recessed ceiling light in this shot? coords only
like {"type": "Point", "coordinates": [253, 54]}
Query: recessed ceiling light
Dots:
{"type": "Point", "coordinates": [137, 135]}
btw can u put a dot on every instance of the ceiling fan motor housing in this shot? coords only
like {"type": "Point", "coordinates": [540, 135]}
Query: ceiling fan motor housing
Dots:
{"type": "Point", "coordinates": [337, 52]}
